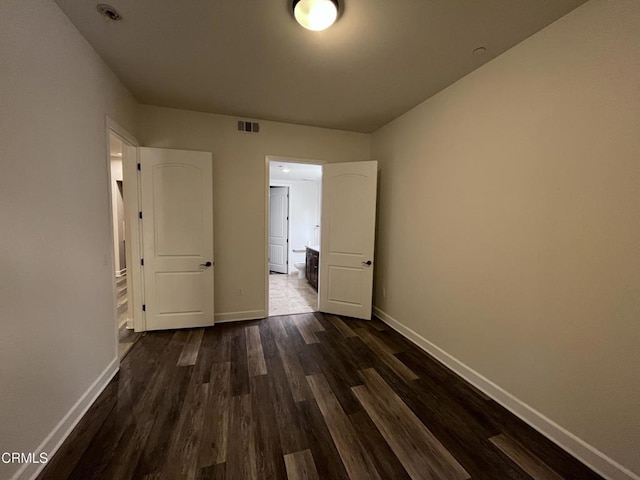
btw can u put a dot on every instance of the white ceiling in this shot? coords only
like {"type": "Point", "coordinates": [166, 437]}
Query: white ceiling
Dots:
{"type": "Point", "coordinates": [249, 58]}
{"type": "Point", "coordinates": [297, 171]}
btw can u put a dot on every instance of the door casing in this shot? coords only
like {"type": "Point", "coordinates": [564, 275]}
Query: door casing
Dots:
{"type": "Point", "coordinates": [132, 228]}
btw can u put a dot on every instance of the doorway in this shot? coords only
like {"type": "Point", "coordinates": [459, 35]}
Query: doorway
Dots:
{"type": "Point", "coordinates": [294, 209]}
{"type": "Point", "coordinates": [118, 150]}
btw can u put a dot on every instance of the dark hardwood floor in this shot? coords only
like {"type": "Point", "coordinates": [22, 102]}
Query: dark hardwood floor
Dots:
{"type": "Point", "coordinates": [301, 397]}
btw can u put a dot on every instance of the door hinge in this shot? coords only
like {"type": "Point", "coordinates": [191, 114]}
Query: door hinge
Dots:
{"type": "Point", "coordinates": [139, 167]}
{"type": "Point", "coordinates": [144, 307]}
{"type": "Point", "coordinates": [287, 240]}
{"type": "Point", "coordinates": [142, 261]}
{"type": "Point", "coordinates": [140, 215]}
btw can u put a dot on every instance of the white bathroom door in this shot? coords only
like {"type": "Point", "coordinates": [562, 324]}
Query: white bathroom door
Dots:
{"type": "Point", "coordinates": [348, 237]}
{"type": "Point", "coordinates": [177, 229]}
{"type": "Point", "coordinates": [279, 229]}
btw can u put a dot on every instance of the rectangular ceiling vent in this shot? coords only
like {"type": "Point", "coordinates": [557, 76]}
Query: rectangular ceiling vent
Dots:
{"type": "Point", "coordinates": [248, 127]}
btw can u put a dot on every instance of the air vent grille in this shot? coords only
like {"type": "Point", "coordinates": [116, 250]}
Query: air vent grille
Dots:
{"type": "Point", "coordinates": [248, 127]}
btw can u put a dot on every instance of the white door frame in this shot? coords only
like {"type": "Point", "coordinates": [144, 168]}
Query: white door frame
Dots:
{"type": "Point", "coordinates": [267, 184]}
{"type": "Point", "coordinates": [132, 226]}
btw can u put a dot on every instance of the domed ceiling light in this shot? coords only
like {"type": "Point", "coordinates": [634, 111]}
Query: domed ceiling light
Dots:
{"type": "Point", "coordinates": [315, 15]}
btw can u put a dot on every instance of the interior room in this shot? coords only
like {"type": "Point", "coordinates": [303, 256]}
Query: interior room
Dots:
{"type": "Point", "coordinates": [294, 226]}
{"type": "Point", "coordinates": [477, 308]}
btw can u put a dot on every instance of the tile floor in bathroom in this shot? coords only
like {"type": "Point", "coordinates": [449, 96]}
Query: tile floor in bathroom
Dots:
{"type": "Point", "coordinates": [289, 294]}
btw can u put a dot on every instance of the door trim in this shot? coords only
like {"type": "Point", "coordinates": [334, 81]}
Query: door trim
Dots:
{"type": "Point", "coordinates": [132, 226]}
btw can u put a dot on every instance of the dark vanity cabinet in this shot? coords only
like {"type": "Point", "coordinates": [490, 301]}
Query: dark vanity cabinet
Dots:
{"type": "Point", "coordinates": [313, 265]}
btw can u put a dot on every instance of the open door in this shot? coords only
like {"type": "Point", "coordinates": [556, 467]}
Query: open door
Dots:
{"type": "Point", "coordinates": [279, 229]}
{"type": "Point", "coordinates": [177, 229]}
{"type": "Point", "coordinates": [348, 237]}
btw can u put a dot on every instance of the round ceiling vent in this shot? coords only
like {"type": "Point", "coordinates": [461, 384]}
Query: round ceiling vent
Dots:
{"type": "Point", "coordinates": [108, 11]}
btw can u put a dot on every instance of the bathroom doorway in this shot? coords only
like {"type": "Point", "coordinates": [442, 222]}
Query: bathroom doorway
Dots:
{"type": "Point", "coordinates": [293, 211]}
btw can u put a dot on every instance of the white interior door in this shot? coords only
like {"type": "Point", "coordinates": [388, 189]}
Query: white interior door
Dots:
{"type": "Point", "coordinates": [279, 229]}
{"type": "Point", "coordinates": [348, 236]}
{"type": "Point", "coordinates": [177, 228]}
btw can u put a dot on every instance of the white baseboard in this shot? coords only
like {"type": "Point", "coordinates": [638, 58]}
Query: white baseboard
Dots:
{"type": "Point", "coordinates": [587, 454]}
{"type": "Point", "coordinates": [240, 316]}
{"type": "Point", "coordinates": [63, 429]}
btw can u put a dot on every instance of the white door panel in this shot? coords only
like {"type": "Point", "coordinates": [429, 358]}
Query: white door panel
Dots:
{"type": "Point", "coordinates": [346, 285]}
{"type": "Point", "coordinates": [347, 244]}
{"type": "Point", "coordinates": [178, 210]}
{"type": "Point", "coordinates": [349, 195]}
{"type": "Point", "coordinates": [177, 238]}
{"type": "Point", "coordinates": [279, 229]}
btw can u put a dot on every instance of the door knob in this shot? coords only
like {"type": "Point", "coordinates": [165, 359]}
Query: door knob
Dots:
{"type": "Point", "coordinates": [208, 264]}
{"type": "Point", "coordinates": [367, 263]}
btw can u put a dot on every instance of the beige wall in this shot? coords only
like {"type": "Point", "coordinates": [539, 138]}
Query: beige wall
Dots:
{"type": "Point", "coordinates": [56, 307]}
{"type": "Point", "coordinates": [239, 184]}
{"type": "Point", "coordinates": [508, 230]}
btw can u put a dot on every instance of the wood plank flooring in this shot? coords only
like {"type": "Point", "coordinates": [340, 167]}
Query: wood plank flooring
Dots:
{"type": "Point", "coordinates": [308, 396]}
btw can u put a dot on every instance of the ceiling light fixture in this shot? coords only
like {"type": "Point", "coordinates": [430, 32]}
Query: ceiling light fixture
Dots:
{"type": "Point", "coordinates": [285, 170]}
{"type": "Point", "coordinates": [315, 15]}
{"type": "Point", "coordinates": [108, 11]}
